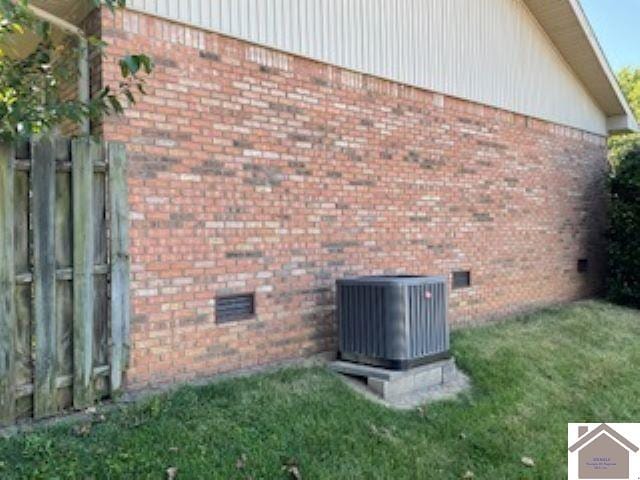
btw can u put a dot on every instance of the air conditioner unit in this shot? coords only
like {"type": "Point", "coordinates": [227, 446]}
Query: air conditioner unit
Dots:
{"type": "Point", "coordinates": [395, 322]}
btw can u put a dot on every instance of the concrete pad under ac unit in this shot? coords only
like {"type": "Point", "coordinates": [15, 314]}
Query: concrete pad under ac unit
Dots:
{"type": "Point", "coordinates": [405, 389]}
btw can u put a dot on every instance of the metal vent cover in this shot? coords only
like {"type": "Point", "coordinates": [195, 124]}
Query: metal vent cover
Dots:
{"type": "Point", "coordinates": [233, 308]}
{"type": "Point", "coordinates": [394, 322]}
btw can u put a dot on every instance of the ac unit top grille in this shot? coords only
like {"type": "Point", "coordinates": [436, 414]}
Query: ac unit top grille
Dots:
{"type": "Point", "coordinates": [402, 280]}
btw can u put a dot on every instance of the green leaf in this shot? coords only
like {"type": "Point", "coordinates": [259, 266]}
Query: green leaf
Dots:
{"type": "Point", "coordinates": [97, 43]}
{"type": "Point", "coordinates": [130, 96]}
{"type": "Point", "coordinates": [132, 63]}
{"type": "Point", "coordinates": [124, 69]}
{"type": "Point", "coordinates": [115, 104]}
{"type": "Point", "coordinates": [147, 63]}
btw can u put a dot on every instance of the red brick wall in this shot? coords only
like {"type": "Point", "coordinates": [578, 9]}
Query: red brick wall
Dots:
{"type": "Point", "coordinates": [253, 170]}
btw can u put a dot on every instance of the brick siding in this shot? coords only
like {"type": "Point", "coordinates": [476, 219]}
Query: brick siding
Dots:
{"type": "Point", "coordinates": [257, 171]}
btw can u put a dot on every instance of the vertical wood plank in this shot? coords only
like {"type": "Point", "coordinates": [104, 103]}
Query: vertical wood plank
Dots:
{"type": "Point", "coordinates": [8, 332]}
{"type": "Point", "coordinates": [101, 332]}
{"type": "Point", "coordinates": [101, 323]}
{"type": "Point", "coordinates": [43, 177]}
{"type": "Point", "coordinates": [23, 302]}
{"type": "Point", "coordinates": [64, 261]}
{"type": "Point", "coordinates": [120, 263]}
{"type": "Point", "coordinates": [24, 351]}
{"type": "Point", "coordinates": [83, 152]}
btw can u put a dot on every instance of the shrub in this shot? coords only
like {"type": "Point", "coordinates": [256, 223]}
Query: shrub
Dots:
{"type": "Point", "coordinates": [621, 145]}
{"type": "Point", "coordinates": [624, 233]}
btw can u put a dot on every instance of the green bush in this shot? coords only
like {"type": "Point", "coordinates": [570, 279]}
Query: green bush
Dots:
{"type": "Point", "coordinates": [624, 238]}
{"type": "Point", "coordinates": [621, 145]}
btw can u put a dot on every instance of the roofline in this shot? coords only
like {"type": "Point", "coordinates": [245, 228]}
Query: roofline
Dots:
{"type": "Point", "coordinates": [631, 121]}
{"type": "Point", "coordinates": [604, 89]}
{"type": "Point", "coordinates": [569, 30]}
{"type": "Point", "coordinates": [603, 428]}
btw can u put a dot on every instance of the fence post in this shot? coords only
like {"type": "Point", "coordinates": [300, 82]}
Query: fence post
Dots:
{"type": "Point", "coordinates": [8, 326]}
{"type": "Point", "coordinates": [84, 151]}
{"type": "Point", "coordinates": [43, 182]}
{"type": "Point", "coordinates": [120, 301]}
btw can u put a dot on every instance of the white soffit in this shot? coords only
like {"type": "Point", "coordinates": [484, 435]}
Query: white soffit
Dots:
{"type": "Point", "coordinates": [567, 26]}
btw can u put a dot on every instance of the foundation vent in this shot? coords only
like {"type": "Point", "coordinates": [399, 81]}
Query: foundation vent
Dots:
{"type": "Point", "coordinates": [233, 308]}
{"type": "Point", "coordinates": [461, 279]}
{"type": "Point", "coordinates": [393, 322]}
{"type": "Point", "coordinates": [583, 265]}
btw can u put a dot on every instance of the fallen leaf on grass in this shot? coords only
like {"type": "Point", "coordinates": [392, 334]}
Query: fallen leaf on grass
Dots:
{"type": "Point", "coordinates": [292, 468]}
{"type": "Point", "coordinates": [172, 473]}
{"type": "Point", "coordinates": [383, 433]}
{"type": "Point", "coordinates": [173, 449]}
{"type": "Point", "coordinates": [241, 462]}
{"type": "Point", "coordinates": [468, 475]}
{"type": "Point", "coordinates": [528, 462]}
{"type": "Point", "coordinates": [293, 471]}
{"type": "Point", "coordinates": [82, 430]}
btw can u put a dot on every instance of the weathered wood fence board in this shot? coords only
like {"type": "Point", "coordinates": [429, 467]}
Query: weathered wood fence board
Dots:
{"type": "Point", "coordinates": [64, 265]}
{"type": "Point", "coordinates": [83, 153]}
{"type": "Point", "coordinates": [8, 326]}
{"type": "Point", "coordinates": [64, 290]}
{"type": "Point", "coordinates": [43, 176]}
{"type": "Point", "coordinates": [119, 264]}
{"type": "Point", "coordinates": [23, 303]}
{"type": "Point", "coordinates": [101, 339]}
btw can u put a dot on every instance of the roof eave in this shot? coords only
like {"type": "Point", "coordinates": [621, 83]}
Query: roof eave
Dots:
{"type": "Point", "coordinates": [66, 15]}
{"type": "Point", "coordinates": [622, 124]}
{"type": "Point", "coordinates": [568, 28]}
{"type": "Point", "coordinates": [627, 122]}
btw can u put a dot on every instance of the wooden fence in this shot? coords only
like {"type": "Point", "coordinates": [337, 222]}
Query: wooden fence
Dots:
{"type": "Point", "coordinates": [64, 275]}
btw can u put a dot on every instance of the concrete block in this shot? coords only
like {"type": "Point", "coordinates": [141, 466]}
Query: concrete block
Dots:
{"type": "Point", "coordinates": [400, 386]}
{"type": "Point", "coordinates": [412, 388]}
{"type": "Point", "coordinates": [404, 387]}
{"type": "Point", "coordinates": [429, 378]}
{"type": "Point", "coordinates": [377, 386]}
{"type": "Point", "coordinates": [365, 371]}
{"type": "Point", "coordinates": [449, 371]}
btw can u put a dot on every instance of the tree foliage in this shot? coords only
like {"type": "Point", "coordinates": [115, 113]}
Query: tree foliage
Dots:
{"type": "Point", "coordinates": [621, 145]}
{"type": "Point", "coordinates": [624, 230]}
{"type": "Point", "coordinates": [624, 238]}
{"type": "Point", "coordinates": [629, 80]}
{"type": "Point", "coordinates": [34, 89]}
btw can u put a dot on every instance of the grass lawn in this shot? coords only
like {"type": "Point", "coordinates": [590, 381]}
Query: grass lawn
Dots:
{"type": "Point", "coordinates": [531, 376]}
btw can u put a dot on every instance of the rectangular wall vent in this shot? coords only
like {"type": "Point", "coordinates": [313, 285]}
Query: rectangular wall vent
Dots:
{"type": "Point", "coordinates": [461, 279]}
{"type": "Point", "coordinates": [583, 265]}
{"type": "Point", "coordinates": [233, 308]}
